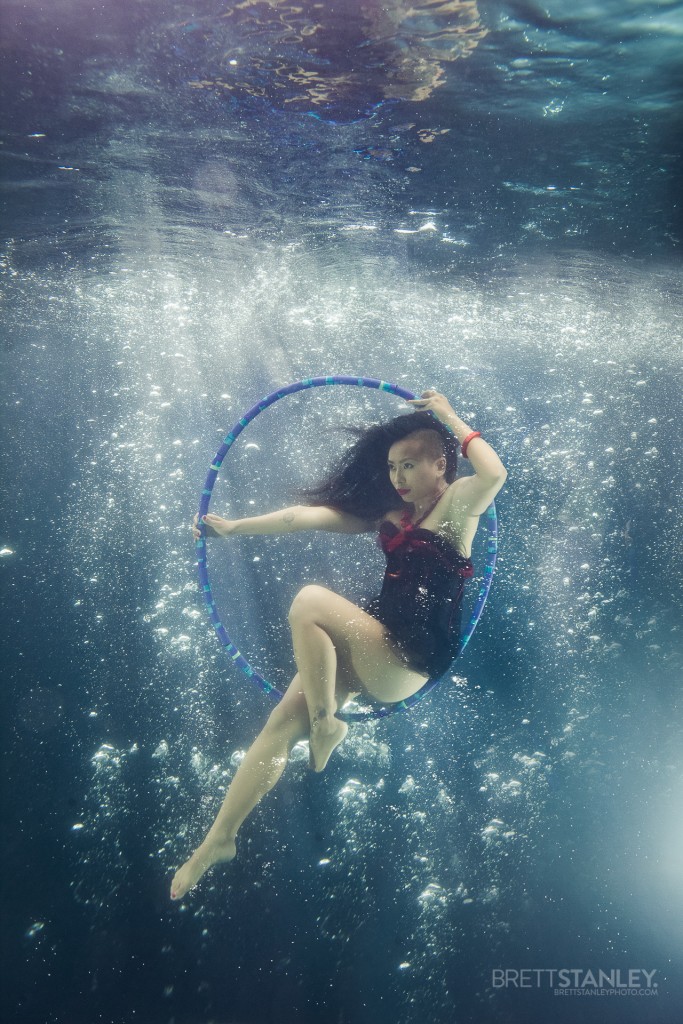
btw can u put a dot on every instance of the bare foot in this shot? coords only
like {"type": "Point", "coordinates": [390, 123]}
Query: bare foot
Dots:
{"type": "Point", "coordinates": [210, 852]}
{"type": "Point", "coordinates": [327, 733]}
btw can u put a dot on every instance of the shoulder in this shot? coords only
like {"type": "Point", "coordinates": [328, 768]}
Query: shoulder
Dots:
{"type": "Point", "coordinates": [473, 494]}
{"type": "Point", "coordinates": [455, 491]}
{"type": "Point", "coordinates": [451, 500]}
{"type": "Point", "coordinates": [392, 516]}
{"type": "Point", "coordinates": [456, 521]}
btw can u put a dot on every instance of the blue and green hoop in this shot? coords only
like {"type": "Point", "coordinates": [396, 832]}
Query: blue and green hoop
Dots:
{"type": "Point", "coordinates": [379, 710]}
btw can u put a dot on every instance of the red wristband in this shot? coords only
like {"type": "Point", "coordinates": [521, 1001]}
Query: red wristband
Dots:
{"type": "Point", "coordinates": [466, 440]}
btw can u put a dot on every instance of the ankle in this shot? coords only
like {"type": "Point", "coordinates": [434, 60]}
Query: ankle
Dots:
{"type": "Point", "coordinates": [219, 836]}
{"type": "Point", "coordinates": [322, 717]}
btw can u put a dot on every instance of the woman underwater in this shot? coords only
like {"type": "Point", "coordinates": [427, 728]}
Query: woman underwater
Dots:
{"type": "Point", "coordinates": [398, 478]}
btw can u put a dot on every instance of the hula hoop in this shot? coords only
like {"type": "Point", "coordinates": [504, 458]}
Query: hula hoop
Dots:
{"type": "Point", "coordinates": [378, 710]}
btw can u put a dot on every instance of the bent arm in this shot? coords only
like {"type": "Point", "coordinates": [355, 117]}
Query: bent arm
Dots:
{"type": "Point", "coordinates": [302, 517]}
{"type": "Point", "coordinates": [475, 493]}
{"type": "Point", "coordinates": [485, 462]}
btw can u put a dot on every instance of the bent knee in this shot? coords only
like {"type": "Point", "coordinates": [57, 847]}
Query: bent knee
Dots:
{"type": "Point", "coordinates": [307, 602]}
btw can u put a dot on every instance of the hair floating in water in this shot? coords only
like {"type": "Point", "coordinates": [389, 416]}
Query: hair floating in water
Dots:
{"type": "Point", "coordinates": [377, 710]}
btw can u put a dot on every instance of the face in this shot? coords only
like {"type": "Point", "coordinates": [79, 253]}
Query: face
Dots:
{"type": "Point", "coordinates": [415, 475]}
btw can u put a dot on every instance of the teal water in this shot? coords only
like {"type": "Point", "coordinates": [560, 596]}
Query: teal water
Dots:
{"type": "Point", "coordinates": [203, 202]}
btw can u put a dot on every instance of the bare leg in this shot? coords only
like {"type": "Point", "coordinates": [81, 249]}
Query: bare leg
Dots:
{"type": "Point", "coordinates": [316, 659]}
{"type": "Point", "coordinates": [322, 623]}
{"type": "Point", "coordinates": [260, 769]}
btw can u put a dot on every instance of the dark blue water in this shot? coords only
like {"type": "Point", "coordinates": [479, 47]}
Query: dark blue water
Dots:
{"type": "Point", "coordinates": [203, 202]}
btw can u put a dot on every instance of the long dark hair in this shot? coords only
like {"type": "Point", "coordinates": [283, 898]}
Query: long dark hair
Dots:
{"type": "Point", "coordinates": [359, 481]}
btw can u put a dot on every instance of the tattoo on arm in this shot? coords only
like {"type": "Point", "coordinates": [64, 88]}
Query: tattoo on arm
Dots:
{"type": "Point", "coordinates": [288, 517]}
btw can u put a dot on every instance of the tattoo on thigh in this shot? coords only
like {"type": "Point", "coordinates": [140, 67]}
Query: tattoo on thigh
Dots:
{"type": "Point", "coordinates": [288, 517]}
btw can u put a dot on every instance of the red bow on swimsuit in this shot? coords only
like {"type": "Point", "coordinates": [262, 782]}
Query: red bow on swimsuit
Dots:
{"type": "Point", "coordinates": [407, 526]}
{"type": "Point", "coordinates": [391, 543]}
{"type": "Point", "coordinates": [464, 567]}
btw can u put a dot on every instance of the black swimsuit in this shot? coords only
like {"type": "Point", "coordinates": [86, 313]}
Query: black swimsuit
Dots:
{"type": "Point", "coordinates": [421, 598]}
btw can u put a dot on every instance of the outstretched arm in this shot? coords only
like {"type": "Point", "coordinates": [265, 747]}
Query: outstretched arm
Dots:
{"type": "Point", "coordinates": [288, 520]}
